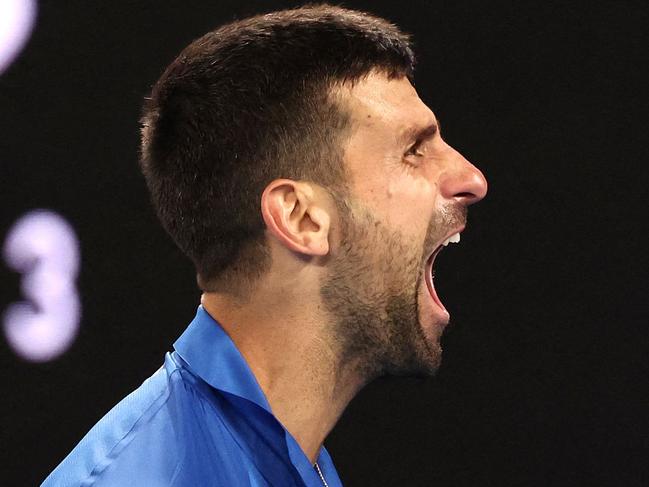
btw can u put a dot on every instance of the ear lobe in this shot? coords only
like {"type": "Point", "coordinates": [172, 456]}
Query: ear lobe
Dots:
{"type": "Point", "coordinates": [293, 217]}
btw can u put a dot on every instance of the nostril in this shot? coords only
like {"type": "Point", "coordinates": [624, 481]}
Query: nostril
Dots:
{"type": "Point", "coordinates": [467, 198]}
{"type": "Point", "coordinates": [463, 182]}
{"type": "Point", "coordinates": [472, 187]}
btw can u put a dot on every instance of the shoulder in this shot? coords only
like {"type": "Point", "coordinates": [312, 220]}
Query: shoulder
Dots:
{"type": "Point", "coordinates": [137, 439]}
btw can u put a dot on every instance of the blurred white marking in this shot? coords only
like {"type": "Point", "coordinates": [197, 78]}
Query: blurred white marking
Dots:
{"type": "Point", "coordinates": [44, 248]}
{"type": "Point", "coordinates": [16, 22]}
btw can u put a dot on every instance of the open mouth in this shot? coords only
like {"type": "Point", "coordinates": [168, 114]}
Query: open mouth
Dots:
{"type": "Point", "coordinates": [430, 268]}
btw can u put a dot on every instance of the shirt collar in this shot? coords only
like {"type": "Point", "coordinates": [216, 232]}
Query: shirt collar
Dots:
{"type": "Point", "coordinates": [212, 355]}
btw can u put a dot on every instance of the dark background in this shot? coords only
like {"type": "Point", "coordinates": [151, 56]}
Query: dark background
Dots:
{"type": "Point", "coordinates": [545, 364]}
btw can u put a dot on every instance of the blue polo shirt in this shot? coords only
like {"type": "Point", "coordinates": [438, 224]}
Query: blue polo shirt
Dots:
{"type": "Point", "coordinates": [200, 420]}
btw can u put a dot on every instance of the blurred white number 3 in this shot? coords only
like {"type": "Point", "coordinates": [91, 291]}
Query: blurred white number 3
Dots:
{"type": "Point", "coordinates": [43, 247]}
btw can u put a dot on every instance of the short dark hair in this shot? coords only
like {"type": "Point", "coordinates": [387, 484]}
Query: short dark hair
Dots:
{"type": "Point", "coordinates": [248, 103]}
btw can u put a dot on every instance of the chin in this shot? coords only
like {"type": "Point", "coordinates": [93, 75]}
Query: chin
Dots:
{"type": "Point", "coordinates": [425, 365]}
{"type": "Point", "coordinates": [434, 358]}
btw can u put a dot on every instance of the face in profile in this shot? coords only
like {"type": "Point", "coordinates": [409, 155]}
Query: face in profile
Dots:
{"type": "Point", "coordinates": [409, 191]}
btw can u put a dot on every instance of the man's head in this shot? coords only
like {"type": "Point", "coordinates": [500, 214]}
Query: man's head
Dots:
{"type": "Point", "coordinates": [248, 103]}
{"type": "Point", "coordinates": [300, 132]}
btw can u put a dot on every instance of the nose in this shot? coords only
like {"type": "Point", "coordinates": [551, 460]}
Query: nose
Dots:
{"type": "Point", "coordinates": [462, 181]}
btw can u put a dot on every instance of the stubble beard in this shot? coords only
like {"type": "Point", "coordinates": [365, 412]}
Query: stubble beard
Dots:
{"type": "Point", "coordinates": [371, 293]}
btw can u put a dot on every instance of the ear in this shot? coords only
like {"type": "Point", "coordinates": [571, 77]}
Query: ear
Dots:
{"type": "Point", "coordinates": [295, 217]}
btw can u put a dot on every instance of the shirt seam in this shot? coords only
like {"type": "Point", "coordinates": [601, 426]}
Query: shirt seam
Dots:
{"type": "Point", "coordinates": [97, 471]}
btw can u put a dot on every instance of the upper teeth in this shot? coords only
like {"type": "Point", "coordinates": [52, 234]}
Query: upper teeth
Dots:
{"type": "Point", "coordinates": [455, 238]}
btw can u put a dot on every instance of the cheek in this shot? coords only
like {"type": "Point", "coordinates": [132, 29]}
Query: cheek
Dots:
{"type": "Point", "coordinates": [411, 201]}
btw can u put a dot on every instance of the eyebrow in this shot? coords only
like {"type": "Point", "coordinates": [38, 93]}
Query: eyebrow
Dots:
{"type": "Point", "coordinates": [418, 133]}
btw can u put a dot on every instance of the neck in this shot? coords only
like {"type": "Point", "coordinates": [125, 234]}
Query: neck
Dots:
{"type": "Point", "coordinates": [291, 354]}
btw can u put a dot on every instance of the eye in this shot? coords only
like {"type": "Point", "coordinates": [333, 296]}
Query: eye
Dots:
{"type": "Point", "coordinates": [415, 150]}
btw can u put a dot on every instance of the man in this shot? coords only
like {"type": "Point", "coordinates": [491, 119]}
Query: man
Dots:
{"type": "Point", "coordinates": [290, 158]}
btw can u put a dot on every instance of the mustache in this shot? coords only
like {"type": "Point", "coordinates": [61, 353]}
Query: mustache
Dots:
{"type": "Point", "coordinates": [447, 219]}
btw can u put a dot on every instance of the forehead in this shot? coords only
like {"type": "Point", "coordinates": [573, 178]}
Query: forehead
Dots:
{"type": "Point", "coordinates": [387, 105]}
